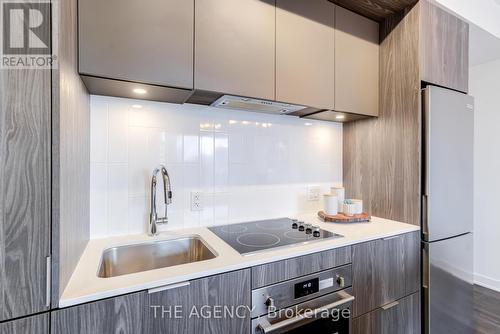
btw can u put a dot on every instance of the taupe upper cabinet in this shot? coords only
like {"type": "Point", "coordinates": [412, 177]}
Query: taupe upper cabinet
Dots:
{"type": "Point", "coordinates": [356, 63]}
{"type": "Point", "coordinates": [234, 43]}
{"type": "Point", "coordinates": [444, 44]}
{"type": "Point", "coordinates": [147, 41]}
{"type": "Point", "coordinates": [305, 52]}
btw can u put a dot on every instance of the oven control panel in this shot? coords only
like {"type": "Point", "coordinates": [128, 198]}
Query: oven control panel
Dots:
{"type": "Point", "coordinates": [281, 295]}
{"type": "Point", "coordinates": [305, 288]}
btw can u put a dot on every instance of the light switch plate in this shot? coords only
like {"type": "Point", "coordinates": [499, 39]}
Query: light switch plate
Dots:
{"type": "Point", "coordinates": [313, 193]}
{"type": "Point", "coordinates": [196, 201]}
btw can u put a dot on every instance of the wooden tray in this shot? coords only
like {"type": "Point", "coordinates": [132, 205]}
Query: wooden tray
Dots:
{"type": "Point", "coordinates": [342, 218]}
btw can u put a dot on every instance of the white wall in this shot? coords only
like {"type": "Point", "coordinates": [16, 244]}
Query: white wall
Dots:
{"type": "Point", "coordinates": [483, 13]}
{"type": "Point", "coordinates": [485, 87]}
{"type": "Point", "coordinates": [248, 165]}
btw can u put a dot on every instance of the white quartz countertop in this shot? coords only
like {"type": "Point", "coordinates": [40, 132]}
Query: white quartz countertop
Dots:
{"type": "Point", "coordinates": [85, 285]}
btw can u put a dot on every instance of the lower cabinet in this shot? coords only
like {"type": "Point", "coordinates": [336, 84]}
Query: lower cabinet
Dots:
{"type": "Point", "coordinates": [38, 324]}
{"type": "Point", "coordinates": [399, 317]}
{"type": "Point", "coordinates": [384, 271]}
{"type": "Point", "coordinates": [210, 305]}
{"type": "Point", "coordinates": [213, 305]}
{"type": "Point", "coordinates": [123, 314]}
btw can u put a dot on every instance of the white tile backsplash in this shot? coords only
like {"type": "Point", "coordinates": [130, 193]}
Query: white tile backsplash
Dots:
{"type": "Point", "coordinates": [247, 165]}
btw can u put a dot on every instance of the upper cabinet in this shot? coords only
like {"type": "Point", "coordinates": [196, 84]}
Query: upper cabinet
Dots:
{"type": "Point", "coordinates": [444, 44]}
{"type": "Point", "coordinates": [305, 44]}
{"type": "Point", "coordinates": [310, 53]}
{"type": "Point", "coordinates": [235, 47]}
{"type": "Point", "coordinates": [147, 41]}
{"type": "Point", "coordinates": [356, 63]}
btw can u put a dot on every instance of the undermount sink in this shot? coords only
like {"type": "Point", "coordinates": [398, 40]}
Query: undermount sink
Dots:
{"type": "Point", "coordinates": [135, 258]}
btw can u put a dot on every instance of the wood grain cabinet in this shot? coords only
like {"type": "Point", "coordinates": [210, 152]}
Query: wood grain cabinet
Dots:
{"type": "Point", "coordinates": [305, 43]}
{"type": "Point", "coordinates": [384, 271]}
{"type": "Point", "coordinates": [235, 44]}
{"type": "Point", "coordinates": [444, 43]}
{"type": "Point", "coordinates": [147, 41]}
{"type": "Point", "coordinates": [25, 190]}
{"type": "Point", "coordinates": [356, 63]}
{"type": "Point", "coordinates": [401, 316]}
{"type": "Point", "coordinates": [38, 324]}
{"type": "Point", "coordinates": [123, 314]}
{"type": "Point", "coordinates": [217, 304]}
{"type": "Point", "coordinates": [274, 272]}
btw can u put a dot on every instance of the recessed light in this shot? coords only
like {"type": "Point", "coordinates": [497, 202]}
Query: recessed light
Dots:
{"type": "Point", "coordinates": [340, 117]}
{"type": "Point", "coordinates": [136, 106]}
{"type": "Point", "coordinates": [232, 121]}
{"type": "Point", "coordinates": [139, 91]}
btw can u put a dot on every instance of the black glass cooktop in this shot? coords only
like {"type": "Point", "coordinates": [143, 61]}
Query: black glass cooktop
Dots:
{"type": "Point", "coordinates": [252, 237]}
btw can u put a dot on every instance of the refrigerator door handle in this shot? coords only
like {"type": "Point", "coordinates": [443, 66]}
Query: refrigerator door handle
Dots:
{"type": "Point", "coordinates": [425, 216]}
{"type": "Point", "coordinates": [425, 265]}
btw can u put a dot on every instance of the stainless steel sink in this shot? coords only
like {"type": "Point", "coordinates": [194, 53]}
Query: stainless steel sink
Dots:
{"type": "Point", "coordinates": [135, 258]}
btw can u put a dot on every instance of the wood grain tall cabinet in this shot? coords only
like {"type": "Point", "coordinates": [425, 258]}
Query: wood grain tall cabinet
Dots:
{"type": "Point", "coordinates": [44, 180]}
{"type": "Point", "coordinates": [381, 162]}
{"type": "Point", "coordinates": [25, 190]}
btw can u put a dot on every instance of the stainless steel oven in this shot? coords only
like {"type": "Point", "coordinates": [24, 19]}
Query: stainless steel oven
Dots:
{"type": "Point", "coordinates": [316, 303]}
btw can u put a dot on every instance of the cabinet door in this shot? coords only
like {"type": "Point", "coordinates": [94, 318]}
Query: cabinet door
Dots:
{"type": "Point", "coordinates": [401, 317]}
{"type": "Point", "coordinates": [356, 63]}
{"type": "Point", "coordinates": [384, 270]}
{"type": "Point", "coordinates": [24, 190]}
{"type": "Point", "coordinates": [203, 306]}
{"type": "Point", "coordinates": [148, 41]}
{"type": "Point", "coordinates": [444, 42]}
{"type": "Point", "coordinates": [124, 314]}
{"type": "Point", "coordinates": [36, 324]}
{"type": "Point", "coordinates": [235, 43]}
{"type": "Point", "coordinates": [305, 52]}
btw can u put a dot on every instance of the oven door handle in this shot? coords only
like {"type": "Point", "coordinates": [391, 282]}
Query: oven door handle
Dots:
{"type": "Point", "coordinates": [266, 327]}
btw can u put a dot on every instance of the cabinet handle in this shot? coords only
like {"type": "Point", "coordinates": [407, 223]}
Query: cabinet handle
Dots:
{"type": "Point", "coordinates": [48, 273]}
{"type": "Point", "coordinates": [168, 287]}
{"type": "Point", "coordinates": [390, 305]}
{"type": "Point", "coordinates": [393, 237]}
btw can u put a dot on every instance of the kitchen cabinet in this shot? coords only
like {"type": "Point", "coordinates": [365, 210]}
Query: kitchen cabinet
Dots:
{"type": "Point", "coordinates": [384, 271]}
{"type": "Point", "coordinates": [149, 42]}
{"type": "Point", "coordinates": [444, 43]}
{"type": "Point", "coordinates": [25, 191]}
{"type": "Point", "coordinates": [124, 314]}
{"type": "Point", "coordinates": [305, 43]}
{"type": "Point", "coordinates": [401, 316]}
{"type": "Point", "coordinates": [356, 63]}
{"type": "Point", "coordinates": [274, 272]}
{"type": "Point", "coordinates": [35, 324]}
{"type": "Point", "coordinates": [203, 306]}
{"type": "Point", "coordinates": [235, 47]}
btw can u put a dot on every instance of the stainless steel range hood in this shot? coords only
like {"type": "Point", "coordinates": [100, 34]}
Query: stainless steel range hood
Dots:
{"type": "Point", "coordinates": [257, 105]}
{"type": "Point", "coordinates": [226, 101]}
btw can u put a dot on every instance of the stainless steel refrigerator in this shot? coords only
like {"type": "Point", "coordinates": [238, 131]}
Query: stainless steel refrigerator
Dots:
{"type": "Point", "coordinates": [447, 211]}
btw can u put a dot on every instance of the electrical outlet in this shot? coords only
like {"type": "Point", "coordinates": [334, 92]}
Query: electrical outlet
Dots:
{"type": "Point", "coordinates": [196, 201]}
{"type": "Point", "coordinates": [313, 193]}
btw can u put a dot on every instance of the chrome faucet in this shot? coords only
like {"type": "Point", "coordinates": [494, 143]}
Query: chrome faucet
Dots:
{"type": "Point", "coordinates": [154, 220]}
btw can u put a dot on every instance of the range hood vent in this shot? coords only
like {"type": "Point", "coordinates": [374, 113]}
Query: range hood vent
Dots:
{"type": "Point", "coordinates": [257, 105]}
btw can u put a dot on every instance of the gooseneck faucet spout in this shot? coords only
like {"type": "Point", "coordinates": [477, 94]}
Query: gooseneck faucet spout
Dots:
{"type": "Point", "coordinates": [154, 220]}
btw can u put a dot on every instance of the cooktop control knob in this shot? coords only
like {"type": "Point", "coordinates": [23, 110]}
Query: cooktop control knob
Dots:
{"type": "Point", "coordinates": [316, 231]}
{"type": "Point", "coordinates": [340, 281]}
{"type": "Point", "coordinates": [294, 224]}
{"type": "Point", "coordinates": [309, 229]}
{"type": "Point", "coordinates": [301, 226]}
{"type": "Point", "coordinates": [270, 302]}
